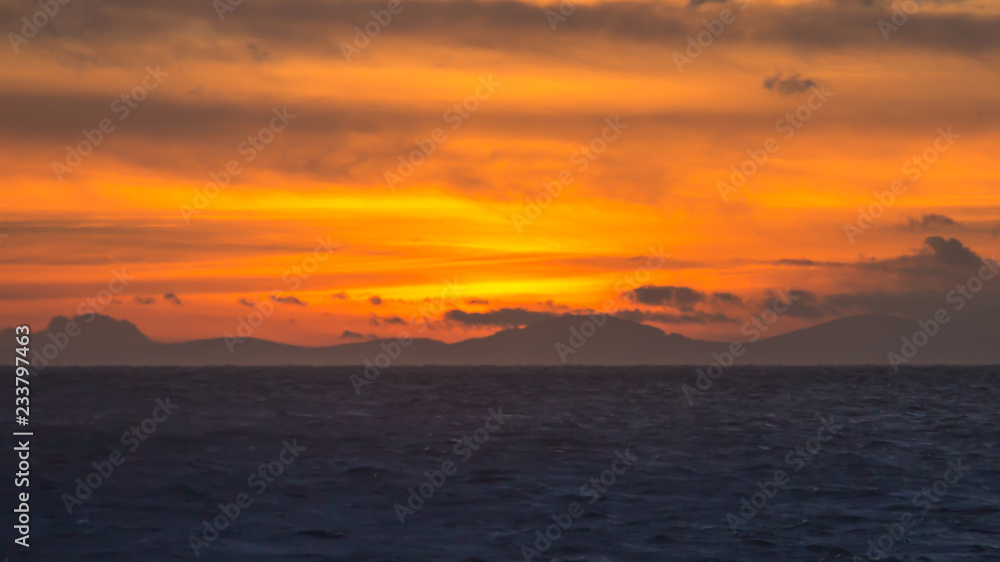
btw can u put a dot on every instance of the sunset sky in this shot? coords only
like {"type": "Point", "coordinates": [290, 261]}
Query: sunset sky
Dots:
{"type": "Point", "coordinates": [503, 97]}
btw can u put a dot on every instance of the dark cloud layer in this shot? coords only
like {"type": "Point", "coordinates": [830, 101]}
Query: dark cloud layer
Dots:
{"type": "Point", "coordinates": [288, 300]}
{"type": "Point", "coordinates": [941, 263]}
{"type": "Point", "coordinates": [684, 299]}
{"type": "Point", "coordinates": [504, 317]}
{"type": "Point", "coordinates": [940, 257]}
{"type": "Point", "coordinates": [807, 263]}
{"type": "Point", "coordinates": [356, 336]}
{"type": "Point", "coordinates": [806, 305]}
{"type": "Point", "coordinates": [376, 320]}
{"type": "Point", "coordinates": [932, 221]}
{"type": "Point", "coordinates": [694, 317]}
{"type": "Point", "coordinates": [319, 26]}
{"type": "Point", "coordinates": [789, 86]}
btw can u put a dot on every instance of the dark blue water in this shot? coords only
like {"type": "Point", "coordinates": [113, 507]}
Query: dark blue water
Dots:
{"type": "Point", "coordinates": [687, 466]}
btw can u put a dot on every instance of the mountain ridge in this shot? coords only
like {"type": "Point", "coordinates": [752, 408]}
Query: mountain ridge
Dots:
{"type": "Point", "coordinates": [98, 340]}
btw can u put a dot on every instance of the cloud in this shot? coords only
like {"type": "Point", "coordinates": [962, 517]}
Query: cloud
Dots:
{"type": "Point", "coordinates": [726, 298]}
{"type": "Point", "coordinates": [912, 303]}
{"type": "Point", "coordinates": [349, 335]}
{"type": "Point", "coordinates": [288, 300]}
{"type": "Point", "coordinates": [508, 26]}
{"type": "Point", "coordinates": [681, 298]}
{"type": "Point", "coordinates": [257, 54]}
{"type": "Point", "coordinates": [376, 320]}
{"type": "Point", "coordinates": [938, 257]}
{"type": "Point", "coordinates": [141, 300]}
{"type": "Point", "coordinates": [932, 221]}
{"type": "Point", "coordinates": [805, 304]}
{"type": "Point", "coordinates": [695, 317]}
{"type": "Point", "coordinates": [684, 299]}
{"type": "Point", "coordinates": [808, 263]}
{"type": "Point", "coordinates": [376, 300]}
{"type": "Point", "coordinates": [561, 307]}
{"type": "Point", "coordinates": [341, 295]}
{"type": "Point", "coordinates": [789, 86]}
{"type": "Point", "coordinates": [923, 281]}
{"type": "Point", "coordinates": [952, 252]}
{"type": "Point", "coordinates": [477, 301]}
{"type": "Point", "coordinates": [170, 297]}
{"type": "Point", "coordinates": [247, 302]}
{"type": "Point", "coordinates": [505, 317]}
{"type": "Point", "coordinates": [918, 304]}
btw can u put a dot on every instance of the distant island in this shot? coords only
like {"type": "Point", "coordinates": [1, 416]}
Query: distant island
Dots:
{"type": "Point", "coordinates": [97, 340]}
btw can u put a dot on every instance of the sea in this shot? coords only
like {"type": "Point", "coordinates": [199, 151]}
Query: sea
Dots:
{"type": "Point", "coordinates": [510, 464]}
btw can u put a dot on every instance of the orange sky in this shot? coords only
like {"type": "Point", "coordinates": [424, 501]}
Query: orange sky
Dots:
{"type": "Point", "coordinates": [533, 97]}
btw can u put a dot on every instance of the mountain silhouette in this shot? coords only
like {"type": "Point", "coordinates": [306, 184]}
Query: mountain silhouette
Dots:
{"type": "Point", "coordinates": [97, 340]}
